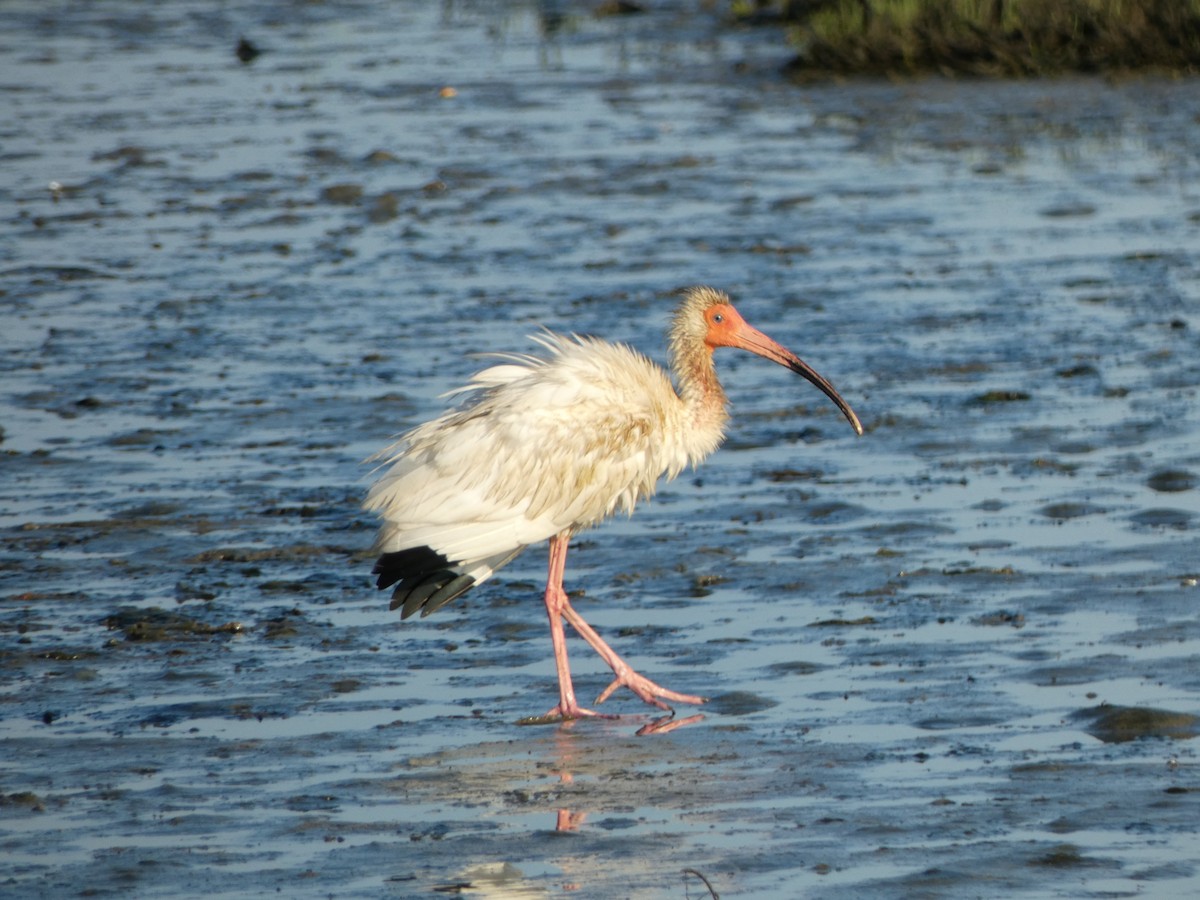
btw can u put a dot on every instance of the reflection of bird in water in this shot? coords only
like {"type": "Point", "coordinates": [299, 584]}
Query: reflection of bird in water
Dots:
{"type": "Point", "coordinates": [567, 820]}
{"type": "Point", "coordinates": [547, 447]}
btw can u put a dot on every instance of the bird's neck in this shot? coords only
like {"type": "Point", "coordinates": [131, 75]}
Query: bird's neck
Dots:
{"type": "Point", "coordinates": [703, 399]}
{"type": "Point", "coordinates": [697, 378]}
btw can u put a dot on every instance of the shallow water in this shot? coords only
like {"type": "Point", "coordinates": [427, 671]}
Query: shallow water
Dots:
{"type": "Point", "coordinates": [226, 284]}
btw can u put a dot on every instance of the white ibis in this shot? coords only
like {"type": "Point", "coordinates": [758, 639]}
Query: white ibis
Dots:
{"type": "Point", "coordinates": [548, 446]}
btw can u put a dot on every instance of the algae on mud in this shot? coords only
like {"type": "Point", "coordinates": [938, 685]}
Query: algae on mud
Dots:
{"type": "Point", "coordinates": [1117, 724]}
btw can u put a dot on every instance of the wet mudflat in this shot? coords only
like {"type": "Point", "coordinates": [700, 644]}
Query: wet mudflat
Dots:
{"type": "Point", "coordinates": [957, 657]}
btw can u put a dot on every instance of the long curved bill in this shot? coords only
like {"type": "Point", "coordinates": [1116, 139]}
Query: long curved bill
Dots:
{"type": "Point", "coordinates": [750, 338]}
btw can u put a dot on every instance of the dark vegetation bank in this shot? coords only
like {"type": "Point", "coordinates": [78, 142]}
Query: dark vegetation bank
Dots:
{"type": "Point", "coordinates": [999, 38]}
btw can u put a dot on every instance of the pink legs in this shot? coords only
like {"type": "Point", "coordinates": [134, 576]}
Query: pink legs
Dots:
{"type": "Point", "coordinates": [556, 599]}
{"type": "Point", "coordinates": [558, 607]}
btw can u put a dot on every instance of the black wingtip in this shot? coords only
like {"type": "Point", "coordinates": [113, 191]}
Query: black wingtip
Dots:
{"type": "Point", "coordinates": [425, 580]}
{"type": "Point", "coordinates": [413, 562]}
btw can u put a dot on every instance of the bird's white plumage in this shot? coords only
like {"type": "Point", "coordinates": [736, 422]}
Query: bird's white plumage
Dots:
{"type": "Point", "coordinates": [543, 445]}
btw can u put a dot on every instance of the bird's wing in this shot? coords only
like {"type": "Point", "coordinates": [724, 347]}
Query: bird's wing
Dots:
{"type": "Point", "coordinates": [549, 445]}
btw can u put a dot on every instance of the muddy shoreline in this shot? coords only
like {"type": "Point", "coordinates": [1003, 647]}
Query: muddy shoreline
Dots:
{"type": "Point", "coordinates": [955, 657]}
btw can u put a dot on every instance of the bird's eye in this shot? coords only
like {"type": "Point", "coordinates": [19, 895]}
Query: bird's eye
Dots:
{"type": "Point", "coordinates": [718, 318]}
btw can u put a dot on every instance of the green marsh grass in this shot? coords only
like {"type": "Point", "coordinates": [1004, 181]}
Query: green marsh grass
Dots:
{"type": "Point", "coordinates": [1005, 38]}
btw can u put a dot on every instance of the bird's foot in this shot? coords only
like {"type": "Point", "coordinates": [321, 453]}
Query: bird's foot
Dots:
{"type": "Point", "coordinates": [647, 690]}
{"type": "Point", "coordinates": [624, 675]}
{"type": "Point", "coordinates": [565, 713]}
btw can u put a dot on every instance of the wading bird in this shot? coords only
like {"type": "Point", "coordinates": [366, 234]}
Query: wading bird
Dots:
{"type": "Point", "coordinates": [547, 446]}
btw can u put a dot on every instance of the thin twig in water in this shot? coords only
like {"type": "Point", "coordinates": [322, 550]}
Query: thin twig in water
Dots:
{"type": "Point", "coordinates": [686, 872]}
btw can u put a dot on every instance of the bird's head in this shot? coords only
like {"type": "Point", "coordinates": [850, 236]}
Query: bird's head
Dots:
{"type": "Point", "coordinates": [707, 319]}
